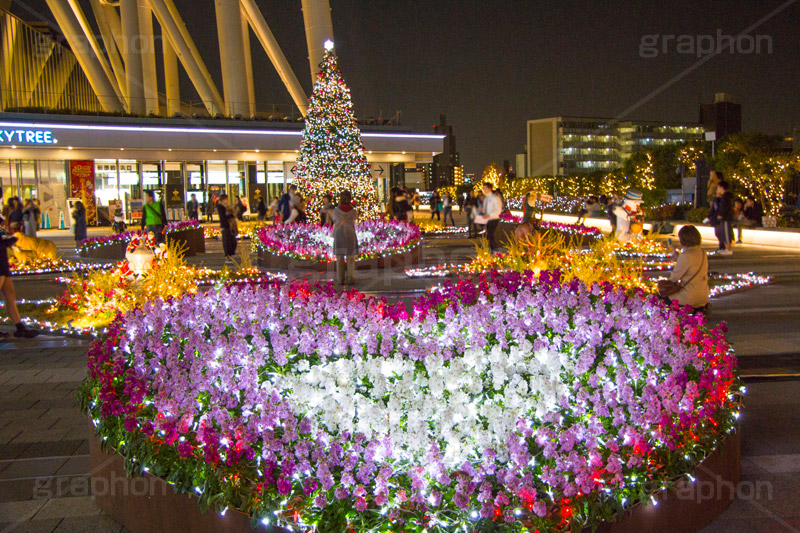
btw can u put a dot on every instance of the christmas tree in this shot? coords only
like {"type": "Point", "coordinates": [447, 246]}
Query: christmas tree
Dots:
{"type": "Point", "coordinates": [331, 154]}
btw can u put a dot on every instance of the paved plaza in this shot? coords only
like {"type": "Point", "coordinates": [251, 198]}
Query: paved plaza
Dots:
{"type": "Point", "coordinates": [44, 462]}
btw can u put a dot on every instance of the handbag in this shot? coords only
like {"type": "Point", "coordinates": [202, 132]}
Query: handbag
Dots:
{"type": "Point", "coordinates": [666, 287]}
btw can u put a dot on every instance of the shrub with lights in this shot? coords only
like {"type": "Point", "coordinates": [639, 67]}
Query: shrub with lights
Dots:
{"type": "Point", "coordinates": [117, 238]}
{"type": "Point", "coordinates": [311, 242]}
{"type": "Point", "coordinates": [514, 401]}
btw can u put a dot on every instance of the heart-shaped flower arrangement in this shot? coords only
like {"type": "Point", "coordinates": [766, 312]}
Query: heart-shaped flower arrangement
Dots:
{"type": "Point", "coordinates": [509, 402]}
{"type": "Point", "coordinates": [312, 242]}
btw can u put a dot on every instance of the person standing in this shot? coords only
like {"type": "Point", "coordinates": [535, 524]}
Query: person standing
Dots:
{"type": "Point", "coordinates": [79, 221]}
{"type": "Point", "coordinates": [261, 209]}
{"type": "Point", "coordinates": [298, 214]}
{"type": "Point", "coordinates": [7, 287]}
{"type": "Point", "coordinates": [724, 215]}
{"type": "Point", "coordinates": [447, 209]}
{"type": "Point", "coordinates": [434, 204]}
{"type": "Point", "coordinates": [400, 205]}
{"type": "Point", "coordinates": [614, 201]}
{"type": "Point", "coordinates": [272, 210]}
{"type": "Point", "coordinates": [119, 218]}
{"type": "Point", "coordinates": [345, 239]}
{"type": "Point", "coordinates": [529, 224]}
{"type": "Point", "coordinates": [240, 209]}
{"type": "Point", "coordinates": [492, 208]}
{"type": "Point", "coordinates": [30, 218]}
{"type": "Point", "coordinates": [14, 215]}
{"type": "Point", "coordinates": [286, 203]}
{"type": "Point", "coordinates": [153, 216]}
{"type": "Point", "coordinates": [227, 226]}
{"type": "Point", "coordinates": [193, 207]}
{"type": "Point", "coordinates": [471, 206]}
{"type": "Point", "coordinates": [326, 213]}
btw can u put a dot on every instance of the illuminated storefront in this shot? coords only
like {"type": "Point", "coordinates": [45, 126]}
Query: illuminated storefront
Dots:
{"type": "Point", "coordinates": [115, 160]}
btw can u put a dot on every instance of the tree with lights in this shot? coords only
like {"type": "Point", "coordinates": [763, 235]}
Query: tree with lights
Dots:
{"type": "Point", "coordinates": [493, 174]}
{"type": "Point", "coordinates": [332, 154]}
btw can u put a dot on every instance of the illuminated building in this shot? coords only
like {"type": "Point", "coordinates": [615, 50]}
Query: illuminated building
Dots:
{"type": "Point", "coordinates": [562, 146]}
{"type": "Point", "coordinates": [78, 118]}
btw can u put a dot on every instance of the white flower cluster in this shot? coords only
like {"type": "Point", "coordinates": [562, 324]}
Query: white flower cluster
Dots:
{"type": "Point", "coordinates": [466, 405]}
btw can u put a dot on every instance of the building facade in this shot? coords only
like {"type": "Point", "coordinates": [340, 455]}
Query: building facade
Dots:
{"type": "Point", "coordinates": [563, 146]}
{"type": "Point", "coordinates": [724, 117]}
{"type": "Point", "coordinates": [79, 122]}
{"type": "Point", "coordinates": [54, 158]}
{"type": "Point", "coordinates": [447, 170]}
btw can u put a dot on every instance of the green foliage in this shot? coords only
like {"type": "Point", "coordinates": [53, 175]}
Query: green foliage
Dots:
{"type": "Point", "coordinates": [697, 215]}
{"type": "Point", "coordinates": [665, 212]}
{"type": "Point", "coordinates": [654, 197]}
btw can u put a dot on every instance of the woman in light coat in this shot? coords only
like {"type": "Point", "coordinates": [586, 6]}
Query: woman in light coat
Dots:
{"type": "Point", "coordinates": [345, 240]}
{"type": "Point", "coordinates": [691, 271]}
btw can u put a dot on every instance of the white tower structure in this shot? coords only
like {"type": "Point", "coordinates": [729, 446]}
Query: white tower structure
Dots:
{"type": "Point", "coordinates": [123, 72]}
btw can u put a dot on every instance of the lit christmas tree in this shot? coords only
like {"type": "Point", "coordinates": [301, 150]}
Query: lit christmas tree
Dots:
{"type": "Point", "coordinates": [331, 154]}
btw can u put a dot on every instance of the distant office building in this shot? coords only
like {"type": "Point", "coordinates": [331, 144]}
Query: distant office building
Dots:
{"type": "Point", "coordinates": [562, 146]}
{"type": "Point", "coordinates": [722, 117]}
{"type": "Point", "coordinates": [459, 176]}
{"type": "Point", "coordinates": [796, 138]}
{"type": "Point", "coordinates": [521, 161]}
{"type": "Point", "coordinates": [446, 163]}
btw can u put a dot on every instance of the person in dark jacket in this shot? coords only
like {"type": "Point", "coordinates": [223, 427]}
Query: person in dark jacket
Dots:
{"type": "Point", "coordinates": [193, 208]}
{"type": "Point", "coordinates": [400, 205]}
{"type": "Point", "coordinates": [79, 220]}
{"type": "Point", "coordinates": [153, 216]}
{"type": "Point", "coordinates": [326, 213]}
{"type": "Point", "coordinates": [14, 215]}
{"type": "Point", "coordinates": [7, 287]}
{"type": "Point", "coordinates": [286, 203]}
{"type": "Point", "coordinates": [724, 217]}
{"type": "Point", "coordinates": [435, 204]}
{"type": "Point", "coordinates": [261, 209]}
{"type": "Point", "coordinates": [471, 204]}
{"type": "Point", "coordinates": [227, 222]}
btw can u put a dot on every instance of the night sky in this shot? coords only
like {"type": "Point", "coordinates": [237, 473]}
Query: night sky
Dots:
{"type": "Point", "coordinates": [491, 65]}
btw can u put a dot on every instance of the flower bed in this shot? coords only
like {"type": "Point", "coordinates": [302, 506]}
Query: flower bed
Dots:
{"type": "Point", "coordinates": [87, 246]}
{"type": "Point", "coordinates": [575, 230]}
{"type": "Point", "coordinates": [311, 242]}
{"type": "Point", "coordinates": [507, 403]}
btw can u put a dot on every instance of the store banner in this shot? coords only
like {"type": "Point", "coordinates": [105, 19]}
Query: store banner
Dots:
{"type": "Point", "coordinates": [81, 185]}
{"type": "Point", "coordinates": [174, 190]}
{"type": "Point", "coordinates": [257, 190]}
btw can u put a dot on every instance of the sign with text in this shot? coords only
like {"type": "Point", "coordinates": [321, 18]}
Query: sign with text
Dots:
{"type": "Point", "coordinates": [26, 136]}
{"type": "Point", "coordinates": [545, 198]}
{"type": "Point", "coordinates": [81, 185]}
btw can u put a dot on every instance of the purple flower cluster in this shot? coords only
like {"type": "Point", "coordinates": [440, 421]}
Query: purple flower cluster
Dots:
{"type": "Point", "coordinates": [635, 384]}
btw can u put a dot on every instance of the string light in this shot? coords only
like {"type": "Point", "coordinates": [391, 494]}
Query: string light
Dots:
{"type": "Point", "coordinates": [94, 243]}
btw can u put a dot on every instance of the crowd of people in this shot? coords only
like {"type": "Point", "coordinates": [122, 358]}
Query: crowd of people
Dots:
{"type": "Point", "coordinates": [21, 218]}
{"type": "Point", "coordinates": [728, 213]}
